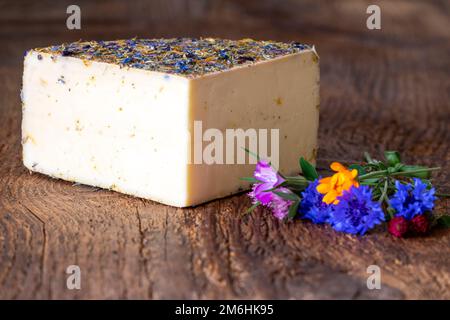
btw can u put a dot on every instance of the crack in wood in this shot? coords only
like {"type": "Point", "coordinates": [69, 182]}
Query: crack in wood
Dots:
{"type": "Point", "coordinates": [141, 253]}
{"type": "Point", "coordinates": [44, 245]}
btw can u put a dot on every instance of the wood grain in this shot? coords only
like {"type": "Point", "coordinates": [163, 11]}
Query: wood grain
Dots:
{"type": "Point", "coordinates": [384, 89]}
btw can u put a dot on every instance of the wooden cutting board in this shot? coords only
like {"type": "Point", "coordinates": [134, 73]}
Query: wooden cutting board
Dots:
{"type": "Point", "coordinates": [382, 89]}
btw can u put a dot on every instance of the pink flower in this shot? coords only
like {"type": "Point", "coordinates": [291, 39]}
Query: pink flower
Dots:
{"type": "Point", "coordinates": [268, 179]}
{"type": "Point", "coordinates": [279, 205]}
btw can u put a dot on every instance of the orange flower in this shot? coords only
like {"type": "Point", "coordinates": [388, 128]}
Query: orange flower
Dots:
{"type": "Point", "coordinates": [333, 187]}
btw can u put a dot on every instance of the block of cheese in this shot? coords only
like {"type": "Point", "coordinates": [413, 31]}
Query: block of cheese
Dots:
{"type": "Point", "coordinates": [149, 117]}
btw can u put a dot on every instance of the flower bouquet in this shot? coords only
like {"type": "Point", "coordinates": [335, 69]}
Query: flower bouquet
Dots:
{"type": "Point", "coordinates": [354, 199]}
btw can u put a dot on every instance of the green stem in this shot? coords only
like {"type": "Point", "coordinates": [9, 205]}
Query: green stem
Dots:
{"type": "Point", "coordinates": [384, 192]}
{"type": "Point", "coordinates": [296, 177]}
{"type": "Point", "coordinates": [297, 180]}
{"type": "Point", "coordinates": [253, 207]}
{"type": "Point", "coordinates": [382, 173]}
{"type": "Point", "coordinates": [443, 195]}
{"type": "Point", "coordinates": [389, 210]}
{"type": "Point", "coordinates": [399, 173]}
{"type": "Point", "coordinates": [372, 174]}
{"type": "Point", "coordinates": [368, 157]}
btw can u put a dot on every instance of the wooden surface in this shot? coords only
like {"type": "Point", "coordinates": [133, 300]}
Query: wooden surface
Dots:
{"type": "Point", "coordinates": [383, 89]}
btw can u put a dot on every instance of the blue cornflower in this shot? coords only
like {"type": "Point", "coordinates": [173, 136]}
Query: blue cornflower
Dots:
{"type": "Point", "coordinates": [131, 43]}
{"type": "Point", "coordinates": [356, 213]}
{"type": "Point", "coordinates": [411, 200]}
{"type": "Point", "coordinates": [126, 60]}
{"type": "Point", "coordinates": [223, 54]}
{"type": "Point", "coordinates": [181, 66]}
{"type": "Point", "coordinates": [312, 207]}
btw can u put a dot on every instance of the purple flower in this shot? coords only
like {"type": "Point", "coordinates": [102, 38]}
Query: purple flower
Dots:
{"type": "Point", "coordinates": [268, 179]}
{"type": "Point", "coordinates": [411, 200]}
{"type": "Point", "coordinates": [356, 213]}
{"type": "Point", "coordinates": [312, 207]}
{"type": "Point", "coordinates": [279, 205]}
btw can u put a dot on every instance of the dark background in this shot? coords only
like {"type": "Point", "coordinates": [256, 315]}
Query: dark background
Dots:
{"type": "Point", "coordinates": [380, 89]}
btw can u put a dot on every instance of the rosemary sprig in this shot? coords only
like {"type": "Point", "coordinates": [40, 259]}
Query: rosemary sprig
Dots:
{"type": "Point", "coordinates": [408, 173]}
{"type": "Point", "coordinates": [382, 175]}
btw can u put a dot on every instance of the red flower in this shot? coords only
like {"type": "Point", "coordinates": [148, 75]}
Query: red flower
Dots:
{"type": "Point", "coordinates": [398, 226]}
{"type": "Point", "coordinates": [419, 224]}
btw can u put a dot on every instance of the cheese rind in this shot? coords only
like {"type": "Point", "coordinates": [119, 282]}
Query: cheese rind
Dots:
{"type": "Point", "coordinates": [131, 130]}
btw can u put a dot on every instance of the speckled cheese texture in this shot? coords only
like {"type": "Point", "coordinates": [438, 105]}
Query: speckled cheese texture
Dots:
{"type": "Point", "coordinates": [94, 117]}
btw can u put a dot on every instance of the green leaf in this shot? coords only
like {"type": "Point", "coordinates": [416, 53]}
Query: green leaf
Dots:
{"type": "Point", "coordinates": [392, 157]}
{"type": "Point", "coordinates": [296, 188]}
{"type": "Point", "coordinates": [370, 181]}
{"type": "Point", "coordinates": [252, 153]}
{"type": "Point", "coordinates": [391, 170]}
{"type": "Point", "coordinates": [253, 207]}
{"type": "Point", "coordinates": [416, 171]}
{"type": "Point", "coordinates": [308, 170]}
{"type": "Point", "coordinates": [444, 221]}
{"type": "Point", "coordinates": [287, 196]}
{"type": "Point", "coordinates": [284, 183]}
{"type": "Point", "coordinates": [293, 209]}
{"type": "Point", "coordinates": [250, 179]}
